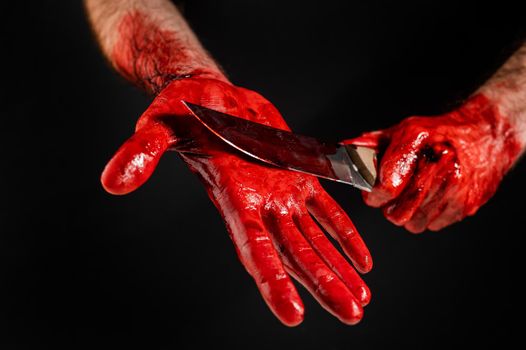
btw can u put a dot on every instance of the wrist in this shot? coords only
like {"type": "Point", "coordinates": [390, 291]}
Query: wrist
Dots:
{"type": "Point", "coordinates": [507, 94]}
{"type": "Point", "coordinates": [153, 69]}
{"type": "Point", "coordinates": [491, 114]}
{"type": "Point", "coordinates": [165, 79]}
{"type": "Point", "coordinates": [153, 46]}
{"type": "Point", "coordinates": [511, 107]}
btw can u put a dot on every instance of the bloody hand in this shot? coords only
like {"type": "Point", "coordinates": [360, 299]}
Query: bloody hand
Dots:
{"type": "Point", "coordinates": [437, 170]}
{"type": "Point", "coordinates": [267, 211]}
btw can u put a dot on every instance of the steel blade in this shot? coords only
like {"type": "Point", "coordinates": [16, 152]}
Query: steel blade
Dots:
{"type": "Point", "coordinates": [343, 163]}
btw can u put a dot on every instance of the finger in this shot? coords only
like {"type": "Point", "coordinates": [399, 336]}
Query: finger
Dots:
{"type": "Point", "coordinates": [300, 258]}
{"type": "Point", "coordinates": [332, 258]}
{"type": "Point", "coordinates": [437, 198]}
{"type": "Point", "coordinates": [452, 213]}
{"type": "Point", "coordinates": [396, 168]}
{"type": "Point", "coordinates": [374, 139]}
{"type": "Point", "coordinates": [423, 184]}
{"type": "Point", "coordinates": [336, 222]}
{"type": "Point", "coordinates": [445, 213]}
{"type": "Point", "coordinates": [448, 211]}
{"type": "Point", "coordinates": [136, 159]}
{"type": "Point", "coordinates": [420, 220]}
{"type": "Point", "coordinates": [259, 256]}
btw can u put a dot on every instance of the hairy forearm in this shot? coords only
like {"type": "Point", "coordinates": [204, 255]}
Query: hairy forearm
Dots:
{"type": "Point", "coordinates": [149, 42]}
{"type": "Point", "coordinates": [507, 90]}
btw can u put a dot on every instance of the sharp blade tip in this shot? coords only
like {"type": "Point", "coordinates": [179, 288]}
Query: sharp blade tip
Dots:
{"type": "Point", "coordinates": [192, 106]}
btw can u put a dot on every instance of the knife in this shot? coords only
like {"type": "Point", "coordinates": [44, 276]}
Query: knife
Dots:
{"type": "Point", "coordinates": [349, 164]}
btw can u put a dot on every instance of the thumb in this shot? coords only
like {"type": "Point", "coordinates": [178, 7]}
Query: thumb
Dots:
{"type": "Point", "coordinates": [136, 159]}
{"type": "Point", "coordinates": [376, 140]}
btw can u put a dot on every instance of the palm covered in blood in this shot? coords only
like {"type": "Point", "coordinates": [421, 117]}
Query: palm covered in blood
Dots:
{"type": "Point", "coordinates": [268, 212]}
{"type": "Point", "coordinates": [437, 170]}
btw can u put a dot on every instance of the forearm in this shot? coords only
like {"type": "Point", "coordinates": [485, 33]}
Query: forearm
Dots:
{"type": "Point", "coordinates": [149, 42]}
{"type": "Point", "coordinates": [506, 89]}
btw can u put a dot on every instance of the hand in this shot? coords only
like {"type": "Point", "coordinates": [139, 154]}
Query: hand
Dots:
{"type": "Point", "coordinates": [267, 211]}
{"type": "Point", "coordinates": [437, 170]}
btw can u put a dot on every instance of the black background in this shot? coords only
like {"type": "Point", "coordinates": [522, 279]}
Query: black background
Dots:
{"type": "Point", "coordinates": [156, 269]}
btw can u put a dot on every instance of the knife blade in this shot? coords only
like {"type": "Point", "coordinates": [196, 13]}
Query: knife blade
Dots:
{"type": "Point", "coordinates": [349, 164]}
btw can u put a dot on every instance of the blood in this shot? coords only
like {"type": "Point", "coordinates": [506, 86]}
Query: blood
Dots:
{"type": "Point", "coordinates": [152, 57]}
{"type": "Point", "coordinates": [434, 171]}
{"type": "Point", "coordinates": [437, 170]}
{"type": "Point", "coordinates": [267, 210]}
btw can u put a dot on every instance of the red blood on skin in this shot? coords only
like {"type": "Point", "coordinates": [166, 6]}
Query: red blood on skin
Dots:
{"type": "Point", "coordinates": [267, 211]}
{"type": "Point", "coordinates": [151, 57]}
{"type": "Point", "coordinates": [437, 170]}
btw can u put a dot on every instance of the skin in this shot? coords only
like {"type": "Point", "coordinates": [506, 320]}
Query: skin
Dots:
{"type": "Point", "coordinates": [272, 215]}
{"type": "Point", "coordinates": [435, 171]}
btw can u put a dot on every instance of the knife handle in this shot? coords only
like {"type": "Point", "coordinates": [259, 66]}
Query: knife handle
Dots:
{"type": "Point", "coordinates": [365, 160]}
